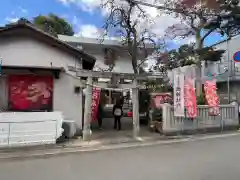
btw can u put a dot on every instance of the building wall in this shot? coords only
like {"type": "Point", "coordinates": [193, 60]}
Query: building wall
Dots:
{"type": "Point", "coordinates": [233, 91]}
{"type": "Point", "coordinates": [227, 62]}
{"type": "Point", "coordinates": [28, 52]}
{"type": "Point", "coordinates": [95, 47]}
{"type": "Point", "coordinates": [66, 100]}
{"type": "Point", "coordinates": [231, 69]}
{"type": "Point", "coordinates": [123, 62]}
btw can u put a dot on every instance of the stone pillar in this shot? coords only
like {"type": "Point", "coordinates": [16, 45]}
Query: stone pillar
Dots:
{"type": "Point", "coordinates": [166, 117]}
{"type": "Point", "coordinates": [136, 127]}
{"type": "Point", "coordinates": [80, 124]}
{"type": "Point", "coordinates": [87, 112]}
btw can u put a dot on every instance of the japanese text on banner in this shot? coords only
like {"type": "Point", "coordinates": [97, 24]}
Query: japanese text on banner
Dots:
{"type": "Point", "coordinates": [179, 95]}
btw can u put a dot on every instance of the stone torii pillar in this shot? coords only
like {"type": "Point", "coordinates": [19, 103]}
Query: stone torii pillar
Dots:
{"type": "Point", "coordinates": [87, 110]}
{"type": "Point", "coordinates": [88, 97]}
{"type": "Point", "coordinates": [135, 102]}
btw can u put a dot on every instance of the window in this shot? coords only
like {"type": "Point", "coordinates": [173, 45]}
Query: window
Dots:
{"type": "Point", "coordinates": [109, 56]}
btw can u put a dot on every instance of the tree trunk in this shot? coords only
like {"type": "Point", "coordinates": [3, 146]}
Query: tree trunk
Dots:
{"type": "Point", "coordinates": [134, 53]}
{"type": "Point", "coordinates": [199, 45]}
{"type": "Point", "coordinates": [134, 65]}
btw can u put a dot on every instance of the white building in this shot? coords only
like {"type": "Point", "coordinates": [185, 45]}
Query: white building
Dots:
{"type": "Point", "coordinates": [99, 48]}
{"type": "Point", "coordinates": [34, 72]}
{"type": "Point", "coordinates": [227, 69]}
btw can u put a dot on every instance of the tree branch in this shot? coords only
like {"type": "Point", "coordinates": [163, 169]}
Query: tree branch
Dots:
{"type": "Point", "coordinates": [207, 34]}
{"type": "Point", "coordinates": [125, 19]}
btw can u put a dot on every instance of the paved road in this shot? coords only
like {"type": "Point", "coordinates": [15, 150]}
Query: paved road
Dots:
{"type": "Point", "coordinates": [212, 159]}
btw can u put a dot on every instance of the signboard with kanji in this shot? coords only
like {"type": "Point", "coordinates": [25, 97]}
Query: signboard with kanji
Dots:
{"type": "Point", "coordinates": [178, 95]}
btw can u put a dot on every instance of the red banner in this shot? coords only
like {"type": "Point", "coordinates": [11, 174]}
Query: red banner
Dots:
{"type": "Point", "coordinates": [95, 102]}
{"type": "Point", "coordinates": [190, 98]}
{"type": "Point", "coordinates": [30, 93]}
{"type": "Point", "coordinates": [212, 97]}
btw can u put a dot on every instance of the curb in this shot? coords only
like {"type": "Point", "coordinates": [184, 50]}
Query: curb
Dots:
{"type": "Point", "coordinates": [73, 150]}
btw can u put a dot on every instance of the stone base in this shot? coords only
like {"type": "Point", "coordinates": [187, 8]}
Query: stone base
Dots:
{"type": "Point", "coordinates": [201, 131]}
{"type": "Point", "coordinates": [87, 134]}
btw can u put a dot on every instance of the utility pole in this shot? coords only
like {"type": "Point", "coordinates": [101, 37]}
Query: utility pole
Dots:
{"type": "Point", "coordinates": [229, 70]}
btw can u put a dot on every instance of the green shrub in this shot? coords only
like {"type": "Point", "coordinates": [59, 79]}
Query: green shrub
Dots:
{"type": "Point", "coordinates": [201, 99]}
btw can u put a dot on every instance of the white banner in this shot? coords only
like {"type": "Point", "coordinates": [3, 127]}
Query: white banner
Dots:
{"type": "Point", "coordinates": [178, 94]}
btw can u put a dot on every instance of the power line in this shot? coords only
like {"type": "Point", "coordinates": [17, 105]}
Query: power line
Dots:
{"type": "Point", "coordinates": [149, 5]}
{"type": "Point", "coordinates": [160, 7]}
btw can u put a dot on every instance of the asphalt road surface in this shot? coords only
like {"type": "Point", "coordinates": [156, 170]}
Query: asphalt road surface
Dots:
{"type": "Point", "coordinates": [212, 159]}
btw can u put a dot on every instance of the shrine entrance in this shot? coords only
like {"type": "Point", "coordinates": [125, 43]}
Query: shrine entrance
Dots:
{"type": "Point", "coordinates": [119, 84]}
{"type": "Point", "coordinates": [102, 127]}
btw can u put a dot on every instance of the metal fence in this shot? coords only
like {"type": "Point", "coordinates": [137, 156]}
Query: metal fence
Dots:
{"type": "Point", "coordinates": [228, 118]}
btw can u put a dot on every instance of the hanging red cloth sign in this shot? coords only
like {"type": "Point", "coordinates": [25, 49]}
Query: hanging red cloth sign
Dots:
{"type": "Point", "coordinates": [190, 98]}
{"type": "Point", "coordinates": [30, 93]}
{"type": "Point", "coordinates": [212, 97]}
{"type": "Point", "coordinates": [95, 102]}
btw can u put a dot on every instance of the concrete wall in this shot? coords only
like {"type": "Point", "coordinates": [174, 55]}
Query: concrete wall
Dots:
{"type": "Point", "coordinates": [228, 117]}
{"type": "Point", "coordinates": [29, 52]}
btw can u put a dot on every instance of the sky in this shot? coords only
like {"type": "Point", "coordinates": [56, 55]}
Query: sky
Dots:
{"type": "Point", "coordinates": [84, 15]}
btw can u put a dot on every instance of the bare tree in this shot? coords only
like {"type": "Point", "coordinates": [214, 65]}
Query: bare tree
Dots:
{"type": "Point", "coordinates": [200, 18]}
{"type": "Point", "coordinates": [129, 22]}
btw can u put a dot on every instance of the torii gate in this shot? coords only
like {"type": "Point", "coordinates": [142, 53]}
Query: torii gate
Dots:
{"type": "Point", "coordinates": [92, 77]}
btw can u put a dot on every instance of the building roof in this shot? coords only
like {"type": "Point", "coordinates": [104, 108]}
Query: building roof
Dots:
{"type": "Point", "coordinates": [97, 41]}
{"type": "Point", "coordinates": [24, 29]}
{"type": "Point", "coordinates": [225, 40]}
